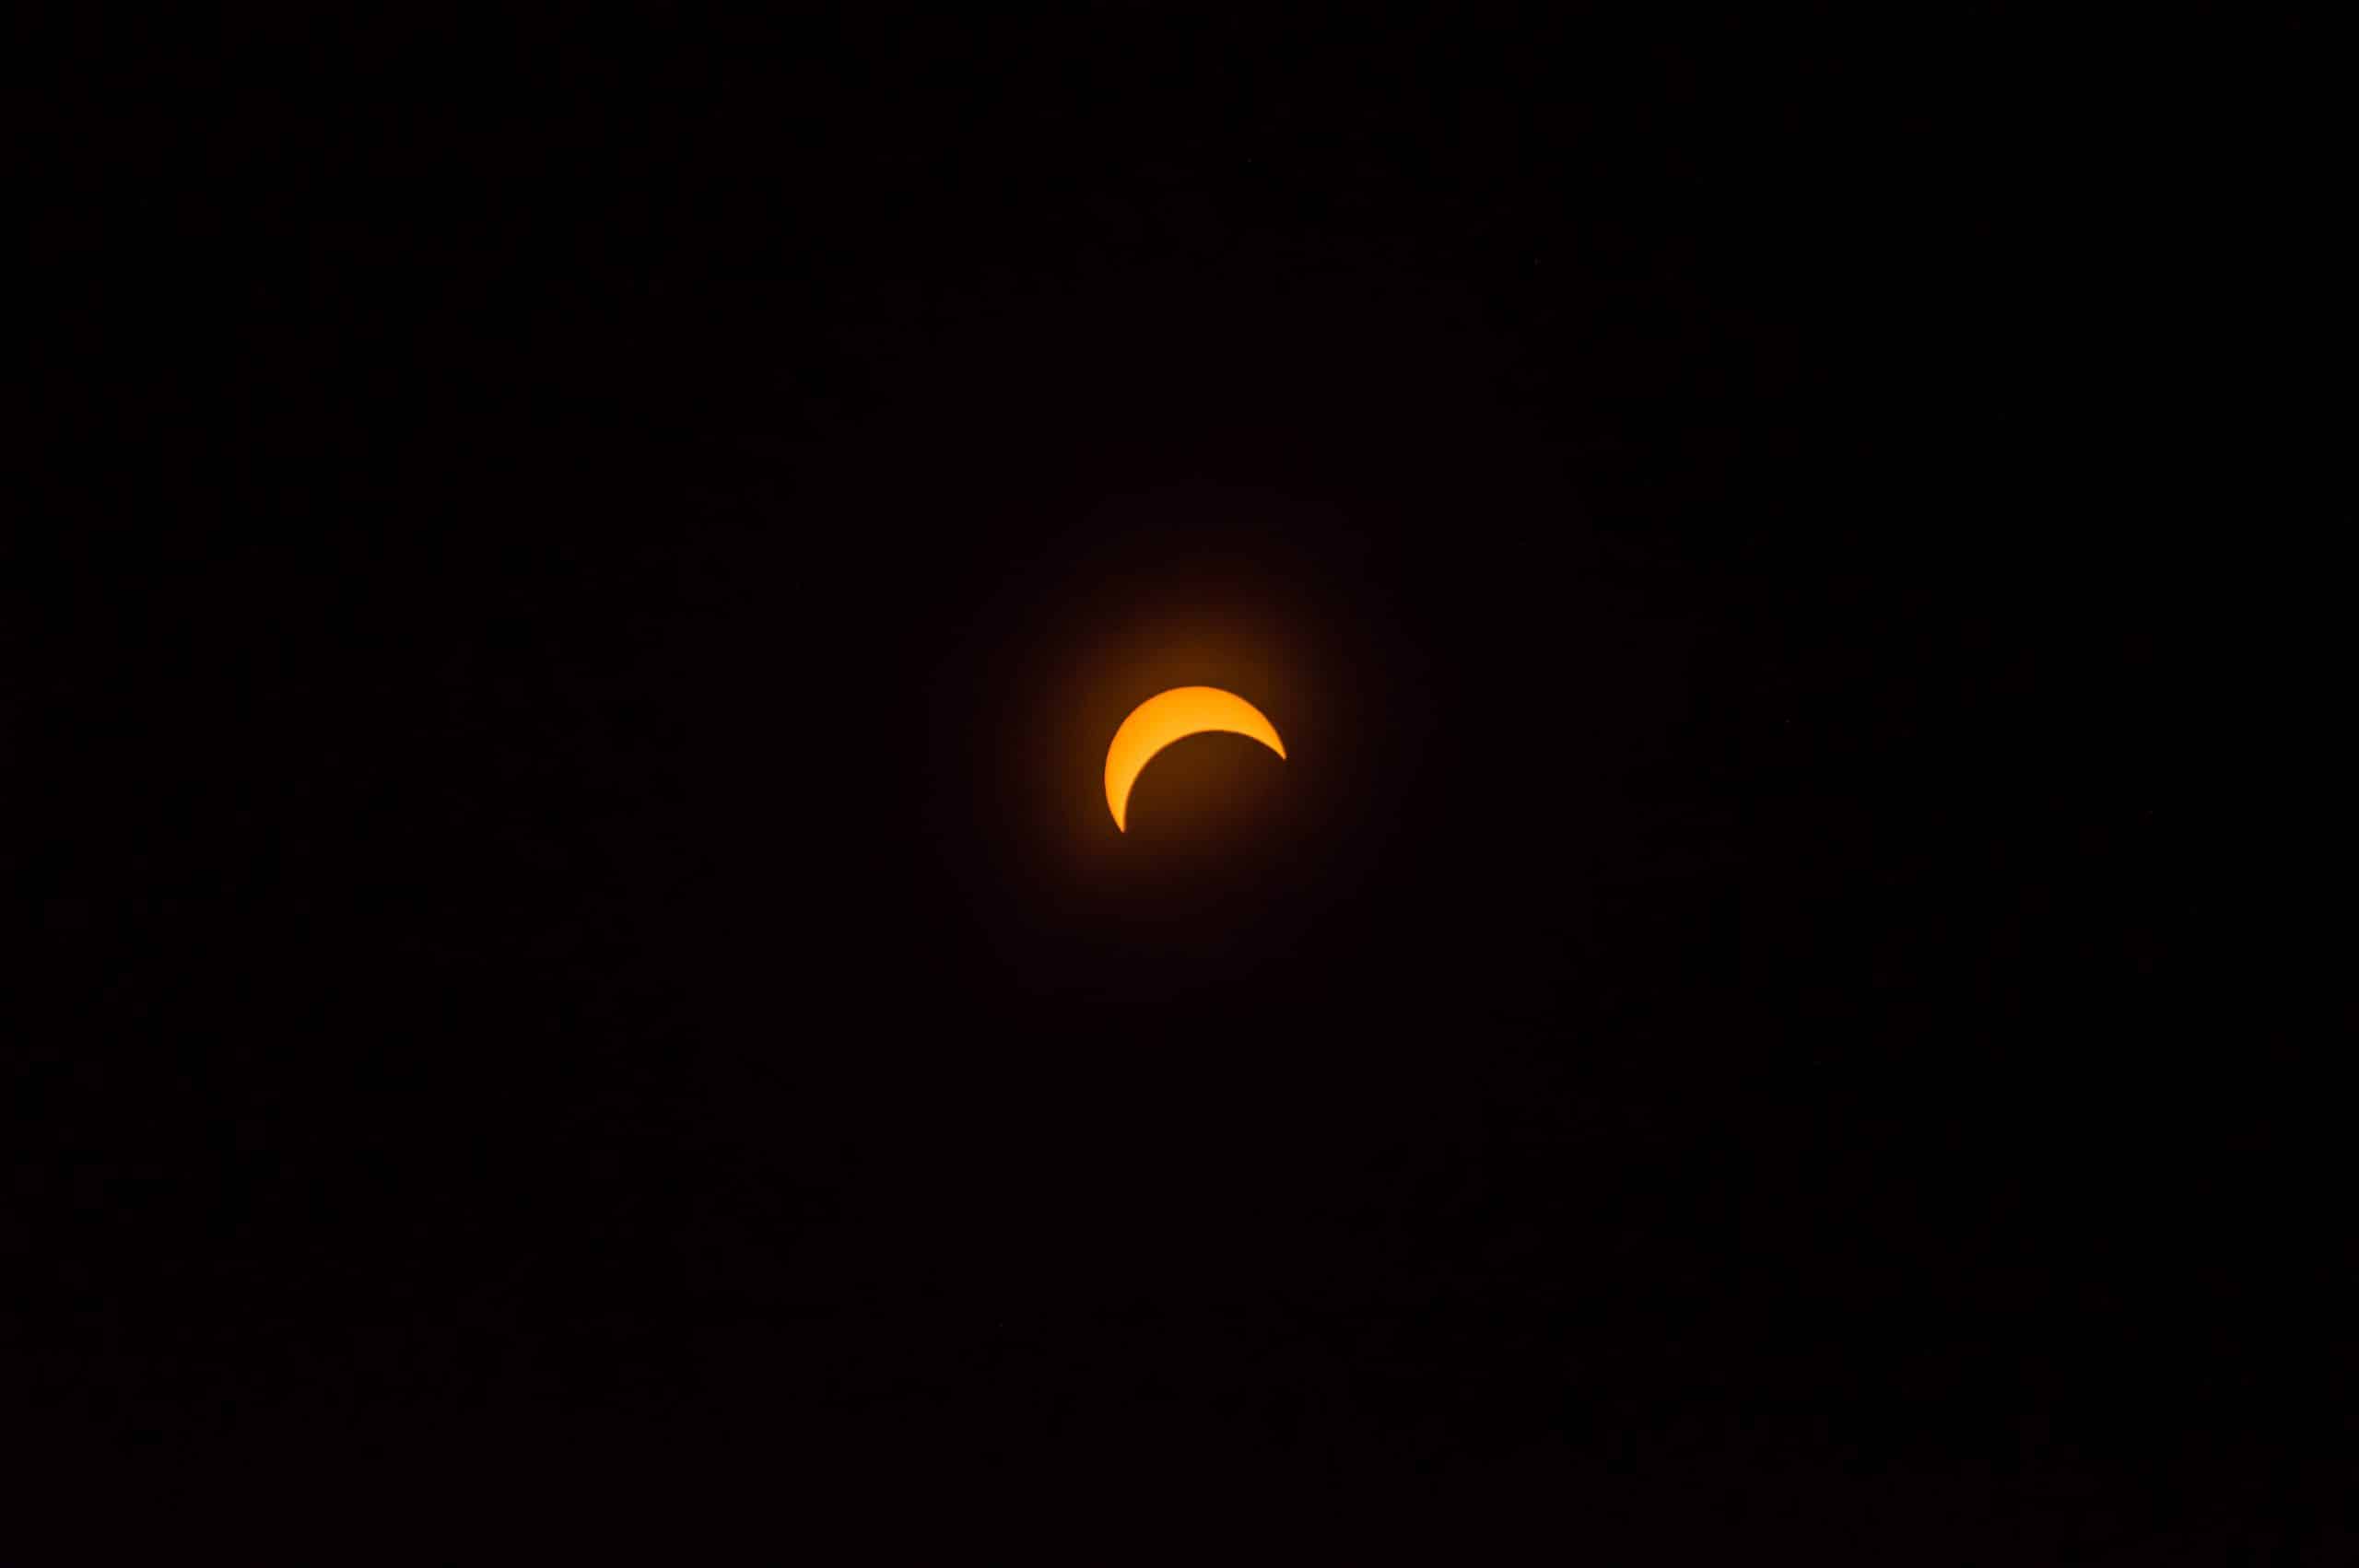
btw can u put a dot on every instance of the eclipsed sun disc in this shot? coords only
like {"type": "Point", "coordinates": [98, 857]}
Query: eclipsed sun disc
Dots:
{"type": "Point", "coordinates": [1170, 716]}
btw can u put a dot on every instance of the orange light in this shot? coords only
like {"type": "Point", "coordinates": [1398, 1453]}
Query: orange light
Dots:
{"type": "Point", "coordinates": [1171, 715]}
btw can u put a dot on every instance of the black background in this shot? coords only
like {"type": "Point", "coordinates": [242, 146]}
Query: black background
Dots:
{"type": "Point", "coordinates": [566, 573]}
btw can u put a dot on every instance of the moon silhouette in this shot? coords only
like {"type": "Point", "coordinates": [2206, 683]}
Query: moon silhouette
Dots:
{"type": "Point", "coordinates": [1170, 716]}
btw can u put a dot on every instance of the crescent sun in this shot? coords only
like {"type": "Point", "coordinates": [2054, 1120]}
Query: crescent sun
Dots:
{"type": "Point", "coordinates": [1170, 716]}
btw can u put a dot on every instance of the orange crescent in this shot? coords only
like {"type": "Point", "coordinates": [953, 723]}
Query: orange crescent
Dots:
{"type": "Point", "coordinates": [1170, 716]}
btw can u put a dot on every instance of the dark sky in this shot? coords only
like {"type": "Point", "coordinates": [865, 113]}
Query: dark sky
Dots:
{"type": "Point", "coordinates": [580, 589]}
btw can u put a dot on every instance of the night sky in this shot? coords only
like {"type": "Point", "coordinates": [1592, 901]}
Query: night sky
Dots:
{"type": "Point", "coordinates": [578, 588]}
